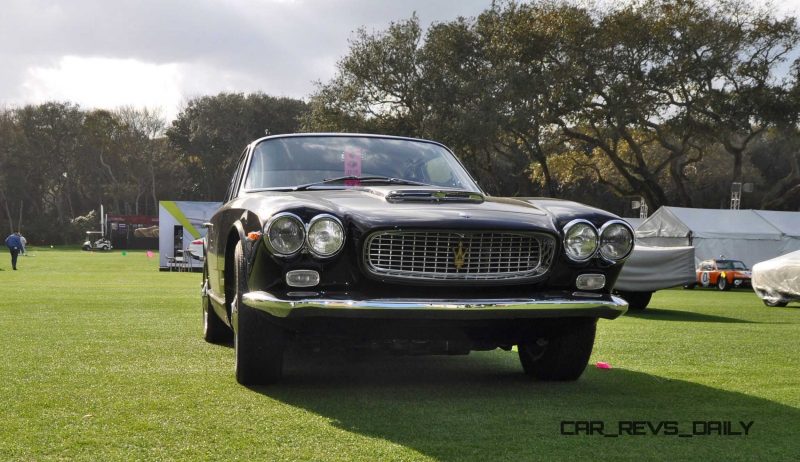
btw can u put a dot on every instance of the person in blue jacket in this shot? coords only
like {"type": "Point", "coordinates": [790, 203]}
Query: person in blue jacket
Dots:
{"type": "Point", "coordinates": [14, 244]}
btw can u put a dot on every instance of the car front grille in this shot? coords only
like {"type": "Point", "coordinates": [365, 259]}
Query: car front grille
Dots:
{"type": "Point", "coordinates": [458, 256]}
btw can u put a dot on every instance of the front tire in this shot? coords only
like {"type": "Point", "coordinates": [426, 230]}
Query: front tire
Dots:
{"type": "Point", "coordinates": [776, 303]}
{"type": "Point", "coordinates": [560, 356]}
{"type": "Point", "coordinates": [722, 284]}
{"type": "Point", "coordinates": [214, 329]}
{"type": "Point", "coordinates": [637, 301]}
{"type": "Point", "coordinates": [258, 343]}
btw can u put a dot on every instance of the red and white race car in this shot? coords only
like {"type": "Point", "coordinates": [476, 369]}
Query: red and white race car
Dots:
{"type": "Point", "coordinates": [723, 273]}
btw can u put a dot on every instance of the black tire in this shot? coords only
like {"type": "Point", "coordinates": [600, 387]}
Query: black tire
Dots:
{"type": "Point", "coordinates": [258, 343]}
{"type": "Point", "coordinates": [87, 248]}
{"type": "Point", "coordinates": [690, 286]}
{"type": "Point", "coordinates": [561, 356]}
{"type": "Point", "coordinates": [722, 284]}
{"type": "Point", "coordinates": [214, 329]}
{"type": "Point", "coordinates": [637, 301]}
{"type": "Point", "coordinates": [775, 304]}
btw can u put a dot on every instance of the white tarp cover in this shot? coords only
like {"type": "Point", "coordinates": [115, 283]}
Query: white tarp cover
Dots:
{"type": "Point", "coordinates": [748, 235]}
{"type": "Point", "coordinates": [652, 268]}
{"type": "Point", "coordinates": [778, 279]}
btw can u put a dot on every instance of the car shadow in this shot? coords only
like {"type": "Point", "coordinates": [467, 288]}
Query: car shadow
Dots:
{"type": "Point", "coordinates": [678, 315]}
{"type": "Point", "coordinates": [482, 407]}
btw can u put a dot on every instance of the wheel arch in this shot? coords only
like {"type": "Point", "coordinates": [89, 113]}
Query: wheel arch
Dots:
{"type": "Point", "coordinates": [235, 235]}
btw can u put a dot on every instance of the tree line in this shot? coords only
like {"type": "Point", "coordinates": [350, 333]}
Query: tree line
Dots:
{"type": "Point", "coordinates": [58, 162]}
{"type": "Point", "coordinates": [669, 100]}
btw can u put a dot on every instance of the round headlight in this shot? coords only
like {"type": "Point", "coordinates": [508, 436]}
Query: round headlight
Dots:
{"type": "Point", "coordinates": [580, 240]}
{"type": "Point", "coordinates": [616, 240]}
{"type": "Point", "coordinates": [325, 235]}
{"type": "Point", "coordinates": [285, 234]}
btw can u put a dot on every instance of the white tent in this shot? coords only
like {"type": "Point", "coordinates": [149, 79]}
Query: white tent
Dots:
{"type": "Point", "coordinates": [748, 235]}
{"type": "Point", "coordinates": [180, 222]}
{"type": "Point", "coordinates": [634, 222]}
{"type": "Point", "coordinates": [788, 223]}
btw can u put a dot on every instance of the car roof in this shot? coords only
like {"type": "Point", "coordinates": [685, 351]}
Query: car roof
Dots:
{"type": "Point", "coordinates": [343, 135]}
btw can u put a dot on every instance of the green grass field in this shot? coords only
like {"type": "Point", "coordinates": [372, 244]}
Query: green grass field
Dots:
{"type": "Point", "coordinates": [102, 359]}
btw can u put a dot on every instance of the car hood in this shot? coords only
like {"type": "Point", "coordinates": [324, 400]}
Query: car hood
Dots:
{"type": "Point", "coordinates": [385, 207]}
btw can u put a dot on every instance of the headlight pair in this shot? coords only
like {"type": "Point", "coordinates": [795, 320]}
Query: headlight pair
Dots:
{"type": "Point", "coordinates": [582, 241]}
{"type": "Point", "coordinates": [286, 234]}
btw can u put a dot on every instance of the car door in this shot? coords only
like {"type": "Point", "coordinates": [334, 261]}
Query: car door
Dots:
{"type": "Point", "coordinates": [216, 238]}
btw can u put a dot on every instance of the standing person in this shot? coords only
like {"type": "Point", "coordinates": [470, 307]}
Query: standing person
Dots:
{"type": "Point", "coordinates": [24, 243]}
{"type": "Point", "coordinates": [14, 245]}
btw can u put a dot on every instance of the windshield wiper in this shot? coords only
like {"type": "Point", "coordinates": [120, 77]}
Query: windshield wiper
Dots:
{"type": "Point", "coordinates": [361, 179]}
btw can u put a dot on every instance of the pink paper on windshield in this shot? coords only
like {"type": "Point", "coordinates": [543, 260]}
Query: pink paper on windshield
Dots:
{"type": "Point", "coordinates": [352, 165]}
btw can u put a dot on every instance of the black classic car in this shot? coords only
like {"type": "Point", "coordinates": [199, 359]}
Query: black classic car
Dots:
{"type": "Point", "coordinates": [365, 242]}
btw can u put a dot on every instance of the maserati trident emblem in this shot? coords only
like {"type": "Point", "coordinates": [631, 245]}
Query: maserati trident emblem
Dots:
{"type": "Point", "coordinates": [460, 254]}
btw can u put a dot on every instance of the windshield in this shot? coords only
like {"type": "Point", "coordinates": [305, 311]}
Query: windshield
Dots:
{"type": "Point", "coordinates": [296, 161]}
{"type": "Point", "coordinates": [731, 265]}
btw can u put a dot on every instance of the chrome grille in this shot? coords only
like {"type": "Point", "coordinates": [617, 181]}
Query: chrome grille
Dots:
{"type": "Point", "coordinates": [434, 255]}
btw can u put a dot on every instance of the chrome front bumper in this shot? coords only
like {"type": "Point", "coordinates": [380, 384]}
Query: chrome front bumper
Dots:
{"type": "Point", "coordinates": [575, 305]}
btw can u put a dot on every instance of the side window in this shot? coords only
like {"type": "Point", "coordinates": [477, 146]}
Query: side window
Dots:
{"type": "Point", "coordinates": [230, 190]}
{"type": "Point", "coordinates": [233, 188]}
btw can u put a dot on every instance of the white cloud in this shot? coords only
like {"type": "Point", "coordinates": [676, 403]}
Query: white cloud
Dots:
{"type": "Point", "coordinates": [106, 83]}
{"type": "Point", "coordinates": [157, 53]}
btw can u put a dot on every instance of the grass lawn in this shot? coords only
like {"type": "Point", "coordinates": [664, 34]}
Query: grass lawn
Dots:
{"type": "Point", "coordinates": [102, 359]}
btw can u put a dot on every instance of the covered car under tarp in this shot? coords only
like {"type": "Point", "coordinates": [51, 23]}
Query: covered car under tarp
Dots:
{"type": "Point", "coordinates": [649, 269]}
{"type": "Point", "coordinates": [777, 281]}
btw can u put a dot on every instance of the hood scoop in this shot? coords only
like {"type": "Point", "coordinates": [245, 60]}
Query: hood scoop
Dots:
{"type": "Point", "coordinates": [432, 195]}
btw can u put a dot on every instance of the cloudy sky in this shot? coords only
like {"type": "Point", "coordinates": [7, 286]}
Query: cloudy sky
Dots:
{"type": "Point", "coordinates": [158, 53]}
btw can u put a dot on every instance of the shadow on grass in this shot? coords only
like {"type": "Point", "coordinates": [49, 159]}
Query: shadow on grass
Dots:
{"type": "Point", "coordinates": [482, 407]}
{"type": "Point", "coordinates": [678, 315]}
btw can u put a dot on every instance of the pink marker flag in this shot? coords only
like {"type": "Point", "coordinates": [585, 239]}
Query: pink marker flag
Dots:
{"type": "Point", "coordinates": [602, 365]}
{"type": "Point", "coordinates": [149, 254]}
{"type": "Point", "coordinates": [352, 165]}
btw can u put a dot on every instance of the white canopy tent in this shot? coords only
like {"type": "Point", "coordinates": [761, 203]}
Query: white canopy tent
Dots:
{"type": "Point", "coordinates": [634, 222]}
{"type": "Point", "coordinates": [788, 223]}
{"type": "Point", "coordinates": [748, 235]}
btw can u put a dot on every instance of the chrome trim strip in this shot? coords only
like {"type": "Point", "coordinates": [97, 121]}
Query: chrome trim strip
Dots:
{"type": "Point", "coordinates": [418, 195]}
{"type": "Point", "coordinates": [275, 306]}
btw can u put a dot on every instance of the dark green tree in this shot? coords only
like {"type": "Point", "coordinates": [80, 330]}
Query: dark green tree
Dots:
{"type": "Point", "coordinates": [212, 131]}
